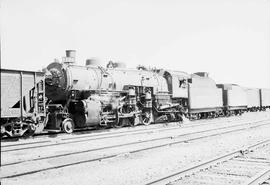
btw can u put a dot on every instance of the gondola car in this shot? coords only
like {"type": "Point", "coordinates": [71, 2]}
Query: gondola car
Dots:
{"type": "Point", "coordinates": [22, 102]}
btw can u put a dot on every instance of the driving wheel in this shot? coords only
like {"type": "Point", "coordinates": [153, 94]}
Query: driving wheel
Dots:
{"type": "Point", "coordinates": [68, 125]}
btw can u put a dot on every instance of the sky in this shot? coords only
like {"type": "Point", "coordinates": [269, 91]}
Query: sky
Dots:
{"type": "Point", "coordinates": [230, 39]}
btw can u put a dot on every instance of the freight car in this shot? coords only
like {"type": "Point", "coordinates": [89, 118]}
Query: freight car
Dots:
{"type": "Point", "coordinates": [264, 98]}
{"type": "Point", "coordinates": [22, 102]}
{"type": "Point", "coordinates": [253, 99]}
{"type": "Point", "coordinates": [234, 99]}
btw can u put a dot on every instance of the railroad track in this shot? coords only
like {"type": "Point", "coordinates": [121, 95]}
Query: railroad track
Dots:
{"type": "Point", "coordinates": [243, 166]}
{"type": "Point", "coordinates": [68, 141]}
{"type": "Point", "coordinates": [84, 132]}
{"type": "Point", "coordinates": [262, 178]}
{"type": "Point", "coordinates": [95, 137]}
{"type": "Point", "coordinates": [14, 169]}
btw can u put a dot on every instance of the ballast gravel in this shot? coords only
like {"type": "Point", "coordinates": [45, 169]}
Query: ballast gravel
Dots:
{"type": "Point", "coordinates": [149, 165]}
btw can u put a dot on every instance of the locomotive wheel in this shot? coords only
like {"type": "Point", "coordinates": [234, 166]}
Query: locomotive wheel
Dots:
{"type": "Point", "coordinates": [30, 131]}
{"type": "Point", "coordinates": [68, 125]}
{"type": "Point", "coordinates": [120, 123]}
{"type": "Point", "coordinates": [137, 120]}
{"type": "Point", "coordinates": [147, 118]}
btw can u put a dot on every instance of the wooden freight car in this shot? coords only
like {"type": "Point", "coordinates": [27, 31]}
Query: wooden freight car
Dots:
{"type": "Point", "coordinates": [22, 102]}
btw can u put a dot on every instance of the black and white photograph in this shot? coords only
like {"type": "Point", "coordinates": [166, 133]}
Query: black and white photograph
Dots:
{"type": "Point", "coordinates": [135, 92]}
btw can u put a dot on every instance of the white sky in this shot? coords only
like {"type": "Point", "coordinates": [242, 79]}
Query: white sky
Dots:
{"type": "Point", "coordinates": [230, 39]}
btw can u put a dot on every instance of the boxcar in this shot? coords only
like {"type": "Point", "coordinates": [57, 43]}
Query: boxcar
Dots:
{"type": "Point", "coordinates": [265, 98]}
{"type": "Point", "coordinates": [253, 99]}
{"type": "Point", "coordinates": [205, 99]}
{"type": "Point", "coordinates": [22, 102]}
{"type": "Point", "coordinates": [234, 98]}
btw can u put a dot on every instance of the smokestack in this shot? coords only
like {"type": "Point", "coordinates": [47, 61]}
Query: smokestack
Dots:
{"type": "Point", "coordinates": [70, 57]}
{"type": "Point", "coordinates": [71, 53]}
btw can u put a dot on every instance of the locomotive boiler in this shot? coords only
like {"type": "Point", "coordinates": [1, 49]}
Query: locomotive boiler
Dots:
{"type": "Point", "coordinates": [90, 95]}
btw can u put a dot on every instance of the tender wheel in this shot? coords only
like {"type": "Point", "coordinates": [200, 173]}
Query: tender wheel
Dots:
{"type": "Point", "coordinates": [68, 125]}
{"type": "Point", "coordinates": [119, 124]}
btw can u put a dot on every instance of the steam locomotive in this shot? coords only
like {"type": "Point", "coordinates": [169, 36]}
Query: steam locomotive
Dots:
{"type": "Point", "coordinates": [92, 96]}
{"type": "Point", "coordinates": [83, 96]}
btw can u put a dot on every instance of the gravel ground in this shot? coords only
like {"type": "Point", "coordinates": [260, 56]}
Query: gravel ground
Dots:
{"type": "Point", "coordinates": [145, 166]}
{"type": "Point", "coordinates": [86, 145]}
{"type": "Point", "coordinates": [234, 172]}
